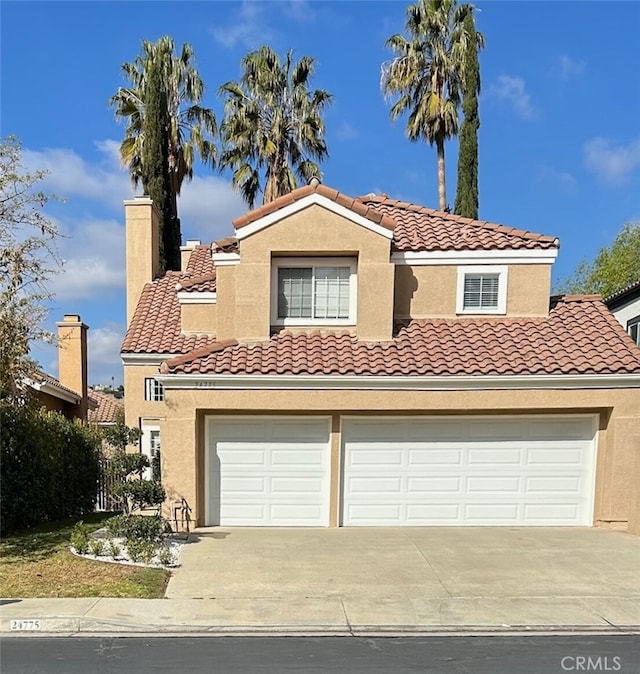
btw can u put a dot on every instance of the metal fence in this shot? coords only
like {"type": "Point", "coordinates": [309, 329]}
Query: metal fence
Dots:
{"type": "Point", "coordinates": [106, 501]}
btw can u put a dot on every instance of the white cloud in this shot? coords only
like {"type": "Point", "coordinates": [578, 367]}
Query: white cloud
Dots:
{"type": "Point", "coordinates": [511, 91]}
{"type": "Point", "coordinates": [103, 346]}
{"type": "Point", "coordinates": [568, 67]}
{"type": "Point", "coordinates": [207, 206]}
{"type": "Point", "coordinates": [93, 254]}
{"type": "Point", "coordinates": [71, 176]}
{"type": "Point", "coordinates": [556, 178]}
{"type": "Point", "coordinates": [249, 29]}
{"type": "Point", "coordinates": [346, 131]}
{"type": "Point", "coordinates": [610, 162]}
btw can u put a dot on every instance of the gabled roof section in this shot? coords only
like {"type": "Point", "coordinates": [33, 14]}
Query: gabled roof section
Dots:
{"type": "Point", "coordinates": [579, 337]}
{"type": "Point", "coordinates": [314, 193]}
{"type": "Point", "coordinates": [155, 326]}
{"type": "Point", "coordinates": [421, 229]}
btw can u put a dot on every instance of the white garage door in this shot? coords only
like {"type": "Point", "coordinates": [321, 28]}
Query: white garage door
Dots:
{"type": "Point", "coordinates": [268, 472]}
{"type": "Point", "coordinates": [468, 471]}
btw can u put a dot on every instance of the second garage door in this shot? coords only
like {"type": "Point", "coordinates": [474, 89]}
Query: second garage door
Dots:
{"type": "Point", "coordinates": [468, 471]}
{"type": "Point", "coordinates": [268, 471]}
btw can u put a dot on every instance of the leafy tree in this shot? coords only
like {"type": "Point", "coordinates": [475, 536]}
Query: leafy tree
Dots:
{"type": "Point", "coordinates": [28, 260]}
{"type": "Point", "coordinates": [120, 436]}
{"type": "Point", "coordinates": [272, 123]}
{"type": "Point", "coordinates": [189, 124]}
{"type": "Point", "coordinates": [427, 75]}
{"type": "Point", "coordinates": [466, 202]}
{"type": "Point", "coordinates": [613, 268]}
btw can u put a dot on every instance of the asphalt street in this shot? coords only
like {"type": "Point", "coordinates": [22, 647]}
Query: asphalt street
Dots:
{"type": "Point", "coordinates": [355, 655]}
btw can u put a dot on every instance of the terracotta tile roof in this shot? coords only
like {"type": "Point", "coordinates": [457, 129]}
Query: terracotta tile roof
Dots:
{"type": "Point", "coordinates": [200, 262]}
{"type": "Point", "coordinates": [425, 229]}
{"type": "Point", "coordinates": [107, 408]}
{"type": "Point", "coordinates": [227, 245]}
{"type": "Point", "coordinates": [155, 326]}
{"type": "Point", "coordinates": [204, 283]}
{"type": "Point", "coordinates": [355, 205]}
{"type": "Point", "coordinates": [580, 336]}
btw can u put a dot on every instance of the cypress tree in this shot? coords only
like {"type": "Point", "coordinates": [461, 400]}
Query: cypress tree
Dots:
{"type": "Point", "coordinates": [466, 202]}
{"type": "Point", "coordinates": [155, 165]}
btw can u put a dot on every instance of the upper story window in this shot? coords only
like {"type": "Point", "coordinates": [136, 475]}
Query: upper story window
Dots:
{"type": "Point", "coordinates": [313, 290]}
{"type": "Point", "coordinates": [153, 390]}
{"type": "Point", "coordinates": [633, 328]}
{"type": "Point", "coordinates": [482, 290]}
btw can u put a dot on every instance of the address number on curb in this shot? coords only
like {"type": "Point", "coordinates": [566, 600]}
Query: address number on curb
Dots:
{"type": "Point", "coordinates": [25, 625]}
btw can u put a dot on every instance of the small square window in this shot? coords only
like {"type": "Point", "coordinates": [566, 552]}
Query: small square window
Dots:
{"type": "Point", "coordinates": [153, 390]}
{"type": "Point", "coordinates": [482, 290]}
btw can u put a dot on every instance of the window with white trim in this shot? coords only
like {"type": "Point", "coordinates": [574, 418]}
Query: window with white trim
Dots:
{"type": "Point", "coordinates": [633, 328]}
{"type": "Point", "coordinates": [313, 290]}
{"type": "Point", "coordinates": [153, 390]}
{"type": "Point", "coordinates": [482, 290]}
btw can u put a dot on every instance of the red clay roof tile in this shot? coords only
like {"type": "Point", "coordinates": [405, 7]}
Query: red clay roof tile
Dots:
{"type": "Point", "coordinates": [580, 336]}
{"type": "Point", "coordinates": [107, 409]}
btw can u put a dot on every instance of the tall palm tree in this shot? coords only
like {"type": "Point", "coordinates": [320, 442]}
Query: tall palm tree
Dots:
{"type": "Point", "coordinates": [272, 123]}
{"type": "Point", "coordinates": [189, 125]}
{"type": "Point", "coordinates": [427, 75]}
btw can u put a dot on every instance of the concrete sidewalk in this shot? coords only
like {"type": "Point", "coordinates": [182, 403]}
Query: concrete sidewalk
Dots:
{"type": "Point", "coordinates": [373, 580]}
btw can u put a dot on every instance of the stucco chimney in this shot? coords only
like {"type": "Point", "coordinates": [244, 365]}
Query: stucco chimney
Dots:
{"type": "Point", "coordinates": [142, 225]}
{"type": "Point", "coordinates": [72, 357]}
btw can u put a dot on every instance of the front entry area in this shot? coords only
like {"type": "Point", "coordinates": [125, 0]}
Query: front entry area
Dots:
{"type": "Point", "coordinates": [267, 471]}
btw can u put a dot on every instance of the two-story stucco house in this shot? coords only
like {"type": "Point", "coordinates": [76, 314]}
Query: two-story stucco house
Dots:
{"type": "Point", "coordinates": [362, 361]}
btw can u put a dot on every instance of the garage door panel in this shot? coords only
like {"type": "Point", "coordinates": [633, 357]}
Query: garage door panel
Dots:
{"type": "Point", "coordinates": [491, 483]}
{"type": "Point", "coordinates": [443, 484]}
{"type": "Point", "coordinates": [367, 485]}
{"type": "Point", "coordinates": [509, 471]}
{"type": "Point", "coordinates": [271, 472]}
{"type": "Point", "coordinates": [434, 456]}
{"type": "Point", "coordinates": [480, 456]}
{"type": "Point", "coordinates": [568, 484]}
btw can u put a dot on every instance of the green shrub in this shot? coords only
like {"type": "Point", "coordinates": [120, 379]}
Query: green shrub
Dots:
{"type": "Point", "coordinates": [137, 527]}
{"type": "Point", "coordinates": [142, 551]}
{"type": "Point", "coordinates": [50, 467]}
{"type": "Point", "coordinates": [80, 538]}
{"type": "Point", "coordinates": [96, 547]}
{"type": "Point", "coordinates": [166, 556]}
{"type": "Point", "coordinates": [141, 493]}
{"type": "Point", "coordinates": [114, 549]}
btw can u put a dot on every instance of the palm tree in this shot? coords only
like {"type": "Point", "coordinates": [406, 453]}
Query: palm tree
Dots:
{"type": "Point", "coordinates": [188, 123]}
{"type": "Point", "coordinates": [427, 75]}
{"type": "Point", "coordinates": [272, 122]}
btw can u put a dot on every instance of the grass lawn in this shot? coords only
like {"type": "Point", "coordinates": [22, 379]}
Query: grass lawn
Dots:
{"type": "Point", "coordinates": [37, 563]}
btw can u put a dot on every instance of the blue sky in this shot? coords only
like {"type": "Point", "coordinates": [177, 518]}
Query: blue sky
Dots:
{"type": "Point", "coordinates": [559, 141]}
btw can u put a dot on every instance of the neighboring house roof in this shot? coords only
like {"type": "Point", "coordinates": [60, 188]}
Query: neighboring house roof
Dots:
{"type": "Point", "coordinates": [626, 294]}
{"type": "Point", "coordinates": [41, 381]}
{"type": "Point", "coordinates": [554, 345]}
{"type": "Point", "coordinates": [107, 408]}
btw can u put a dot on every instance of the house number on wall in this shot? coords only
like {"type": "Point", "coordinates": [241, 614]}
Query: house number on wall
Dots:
{"type": "Point", "coordinates": [25, 625]}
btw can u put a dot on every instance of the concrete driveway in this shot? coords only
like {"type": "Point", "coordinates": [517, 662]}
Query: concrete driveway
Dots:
{"type": "Point", "coordinates": [406, 574]}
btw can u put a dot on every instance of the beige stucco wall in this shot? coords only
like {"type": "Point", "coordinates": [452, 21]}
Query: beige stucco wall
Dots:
{"type": "Point", "coordinates": [136, 407]}
{"type": "Point", "coordinates": [199, 318]}
{"type": "Point", "coordinates": [617, 484]}
{"type": "Point", "coordinates": [311, 232]}
{"type": "Point", "coordinates": [430, 290]}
